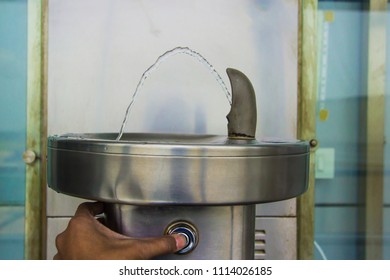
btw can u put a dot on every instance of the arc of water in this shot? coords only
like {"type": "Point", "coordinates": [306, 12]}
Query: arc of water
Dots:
{"type": "Point", "coordinates": [154, 66]}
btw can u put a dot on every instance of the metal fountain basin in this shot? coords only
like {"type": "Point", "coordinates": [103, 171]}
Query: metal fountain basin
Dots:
{"type": "Point", "coordinates": [175, 169]}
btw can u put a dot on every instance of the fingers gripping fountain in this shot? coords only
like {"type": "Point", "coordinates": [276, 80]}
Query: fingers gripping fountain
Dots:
{"type": "Point", "coordinates": [202, 186]}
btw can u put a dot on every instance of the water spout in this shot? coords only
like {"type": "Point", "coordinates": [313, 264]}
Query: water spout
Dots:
{"type": "Point", "coordinates": [242, 117]}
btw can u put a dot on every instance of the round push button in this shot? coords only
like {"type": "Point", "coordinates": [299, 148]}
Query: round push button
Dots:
{"type": "Point", "coordinates": [188, 231]}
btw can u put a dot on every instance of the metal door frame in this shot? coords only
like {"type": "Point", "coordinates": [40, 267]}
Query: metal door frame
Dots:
{"type": "Point", "coordinates": [35, 156]}
{"type": "Point", "coordinates": [306, 129]}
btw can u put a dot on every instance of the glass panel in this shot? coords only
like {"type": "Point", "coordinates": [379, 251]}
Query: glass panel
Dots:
{"type": "Point", "coordinates": [13, 81]}
{"type": "Point", "coordinates": [340, 209]}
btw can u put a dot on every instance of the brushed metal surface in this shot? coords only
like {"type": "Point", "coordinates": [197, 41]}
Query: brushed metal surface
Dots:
{"type": "Point", "coordinates": [242, 117]}
{"type": "Point", "coordinates": [276, 238]}
{"type": "Point", "coordinates": [169, 169]}
{"type": "Point", "coordinates": [225, 232]}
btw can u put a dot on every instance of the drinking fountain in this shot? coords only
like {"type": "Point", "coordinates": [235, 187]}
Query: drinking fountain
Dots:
{"type": "Point", "coordinates": [204, 187]}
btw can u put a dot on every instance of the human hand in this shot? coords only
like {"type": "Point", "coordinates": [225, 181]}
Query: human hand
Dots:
{"type": "Point", "coordinates": [86, 238]}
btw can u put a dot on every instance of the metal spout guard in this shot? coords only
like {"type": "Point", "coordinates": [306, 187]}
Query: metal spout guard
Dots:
{"type": "Point", "coordinates": [242, 117]}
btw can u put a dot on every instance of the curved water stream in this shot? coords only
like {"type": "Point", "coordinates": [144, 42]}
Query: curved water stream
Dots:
{"type": "Point", "coordinates": [154, 66]}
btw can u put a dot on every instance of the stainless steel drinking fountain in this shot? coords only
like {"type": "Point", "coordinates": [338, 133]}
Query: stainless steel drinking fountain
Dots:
{"type": "Point", "coordinates": [202, 186]}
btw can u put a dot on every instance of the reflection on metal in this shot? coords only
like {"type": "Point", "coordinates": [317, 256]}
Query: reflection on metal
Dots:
{"type": "Point", "coordinates": [307, 92]}
{"type": "Point", "coordinates": [35, 183]}
{"type": "Point", "coordinates": [372, 185]}
{"type": "Point", "coordinates": [172, 169]}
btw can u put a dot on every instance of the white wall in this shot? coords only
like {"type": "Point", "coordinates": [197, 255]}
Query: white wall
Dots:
{"type": "Point", "coordinates": [98, 50]}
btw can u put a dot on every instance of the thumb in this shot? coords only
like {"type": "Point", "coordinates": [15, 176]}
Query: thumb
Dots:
{"type": "Point", "coordinates": [168, 244]}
